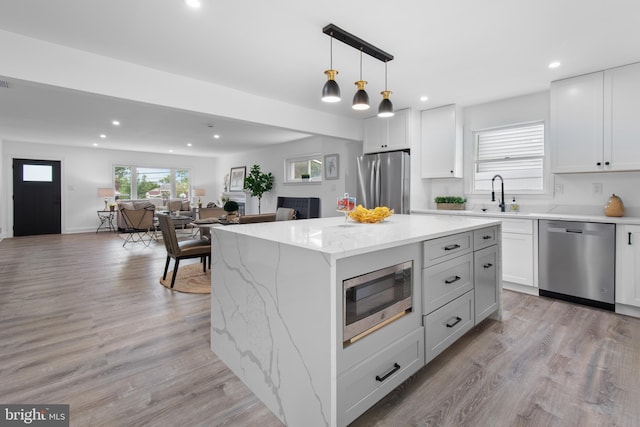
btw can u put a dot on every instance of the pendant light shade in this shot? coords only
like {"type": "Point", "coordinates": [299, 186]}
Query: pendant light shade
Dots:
{"type": "Point", "coordinates": [361, 98]}
{"type": "Point", "coordinates": [385, 109]}
{"type": "Point", "coordinates": [331, 90]}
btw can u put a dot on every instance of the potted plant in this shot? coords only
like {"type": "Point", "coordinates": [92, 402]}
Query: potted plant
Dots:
{"type": "Point", "coordinates": [450, 202]}
{"type": "Point", "coordinates": [305, 176]}
{"type": "Point", "coordinates": [258, 183]}
{"type": "Point", "coordinates": [112, 207]}
{"type": "Point", "coordinates": [231, 208]}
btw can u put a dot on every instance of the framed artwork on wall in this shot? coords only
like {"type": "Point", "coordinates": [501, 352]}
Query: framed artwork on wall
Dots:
{"type": "Point", "coordinates": [236, 178]}
{"type": "Point", "coordinates": [331, 166]}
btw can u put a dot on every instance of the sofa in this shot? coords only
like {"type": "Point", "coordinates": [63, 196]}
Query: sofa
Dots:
{"type": "Point", "coordinates": [182, 206]}
{"type": "Point", "coordinates": [131, 204]}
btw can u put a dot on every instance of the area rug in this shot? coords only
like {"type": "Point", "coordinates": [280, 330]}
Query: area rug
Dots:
{"type": "Point", "coordinates": [190, 279]}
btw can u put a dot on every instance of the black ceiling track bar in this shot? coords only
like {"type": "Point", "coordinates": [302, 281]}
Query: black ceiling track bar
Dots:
{"type": "Point", "coordinates": [356, 42]}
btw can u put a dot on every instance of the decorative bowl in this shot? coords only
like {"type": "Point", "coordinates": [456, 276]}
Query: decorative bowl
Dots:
{"type": "Point", "coordinates": [370, 216]}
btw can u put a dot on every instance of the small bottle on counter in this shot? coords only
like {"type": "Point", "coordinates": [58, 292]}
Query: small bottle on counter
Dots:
{"type": "Point", "coordinates": [514, 206]}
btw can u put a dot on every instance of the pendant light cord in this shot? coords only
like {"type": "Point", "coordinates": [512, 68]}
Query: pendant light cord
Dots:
{"type": "Point", "coordinates": [360, 63]}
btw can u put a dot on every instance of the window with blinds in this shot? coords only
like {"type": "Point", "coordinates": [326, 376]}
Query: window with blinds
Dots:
{"type": "Point", "coordinates": [515, 153]}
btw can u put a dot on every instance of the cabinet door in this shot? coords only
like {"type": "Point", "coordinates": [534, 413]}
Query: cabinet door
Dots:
{"type": "Point", "coordinates": [621, 120]}
{"type": "Point", "coordinates": [399, 132]}
{"type": "Point", "coordinates": [577, 124]}
{"type": "Point", "coordinates": [485, 265]}
{"type": "Point", "coordinates": [441, 139]}
{"type": "Point", "coordinates": [628, 265]}
{"type": "Point", "coordinates": [517, 258]}
{"type": "Point", "coordinates": [375, 135]}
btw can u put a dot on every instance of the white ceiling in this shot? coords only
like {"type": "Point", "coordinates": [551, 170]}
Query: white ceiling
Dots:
{"type": "Point", "coordinates": [457, 51]}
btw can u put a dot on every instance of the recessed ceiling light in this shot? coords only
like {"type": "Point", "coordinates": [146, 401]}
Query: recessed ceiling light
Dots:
{"type": "Point", "coordinates": [171, 151]}
{"type": "Point", "coordinates": [216, 136]}
{"type": "Point", "coordinates": [115, 123]}
{"type": "Point", "coordinates": [189, 144]}
{"type": "Point", "coordinates": [193, 3]}
{"type": "Point", "coordinates": [554, 64]}
{"type": "Point", "coordinates": [95, 144]}
{"type": "Point", "coordinates": [424, 98]}
{"type": "Point", "coordinates": [103, 136]}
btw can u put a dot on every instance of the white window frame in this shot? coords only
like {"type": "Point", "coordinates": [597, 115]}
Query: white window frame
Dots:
{"type": "Point", "coordinates": [172, 170]}
{"type": "Point", "coordinates": [509, 176]}
{"type": "Point", "coordinates": [289, 169]}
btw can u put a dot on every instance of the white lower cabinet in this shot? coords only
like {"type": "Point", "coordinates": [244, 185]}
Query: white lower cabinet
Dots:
{"type": "Point", "coordinates": [627, 267]}
{"type": "Point", "coordinates": [485, 275]}
{"type": "Point", "coordinates": [448, 323]}
{"type": "Point", "coordinates": [373, 378]}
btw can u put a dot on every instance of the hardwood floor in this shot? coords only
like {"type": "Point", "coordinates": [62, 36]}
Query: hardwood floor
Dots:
{"type": "Point", "coordinates": [84, 321]}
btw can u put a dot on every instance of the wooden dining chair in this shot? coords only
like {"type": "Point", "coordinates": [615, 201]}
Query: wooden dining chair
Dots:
{"type": "Point", "coordinates": [193, 248]}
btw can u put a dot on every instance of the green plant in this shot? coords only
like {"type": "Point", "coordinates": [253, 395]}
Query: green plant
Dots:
{"type": "Point", "coordinates": [258, 183]}
{"type": "Point", "coordinates": [230, 206]}
{"type": "Point", "coordinates": [450, 199]}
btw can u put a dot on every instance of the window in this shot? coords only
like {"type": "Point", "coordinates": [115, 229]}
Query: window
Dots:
{"type": "Point", "coordinates": [515, 153]}
{"type": "Point", "coordinates": [37, 173]}
{"type": "Point", "coordinates": [157, 184]}
{"type": "Point", "coordinates": [310, 165]}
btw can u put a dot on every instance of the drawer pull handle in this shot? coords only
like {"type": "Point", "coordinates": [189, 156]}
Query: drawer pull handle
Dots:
{"type": "Point", "coordinates": [451, 247]}
{"type": "Point", "coordinates": [486, 237]}
{"type": "Point", "coordinates": [388, 374]}
{"type": "Point", "coordinates": [488, 265]}
{"type": "Point", "coordinates": [451, 280]}
{"type": "Point", "coordinates": [455, 322]}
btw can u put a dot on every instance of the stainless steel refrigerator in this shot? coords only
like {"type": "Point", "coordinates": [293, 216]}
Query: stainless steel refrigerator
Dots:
{"type": "Point", "coordinates": [383, 180]}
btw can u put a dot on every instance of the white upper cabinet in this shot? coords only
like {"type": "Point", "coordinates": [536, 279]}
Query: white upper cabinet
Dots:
{"type": "Point", "coordinates": [441, 139]}
{"type": "Point", "coordinates": [577, 124]}
{"type": "Point", "coordinates": [622, 118]}
{"type": "Point", "coordinates": [595, 121]}
{"type": "Point", "coordinates": [388, 134]}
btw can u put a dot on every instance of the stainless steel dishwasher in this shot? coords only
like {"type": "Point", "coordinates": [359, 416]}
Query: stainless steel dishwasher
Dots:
{"type": "Point", "coordinates": [577, 262]}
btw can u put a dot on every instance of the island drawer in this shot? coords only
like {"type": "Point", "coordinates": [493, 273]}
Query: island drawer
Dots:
{"type": "Point", "coordinates": [366, 383]}
{"type": "Point", "coordinates": [446, 281]}
{"type": "Point", "coordinates": [445, 325]}
{"type": "Point", "coordinates": [485, 237]}
{"type": "Point", "coordinates": [445, 248]}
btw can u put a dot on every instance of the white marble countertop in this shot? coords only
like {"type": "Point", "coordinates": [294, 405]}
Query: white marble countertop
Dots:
{"type": "Point", "coordinates": [588, 217]}
{"type": "Point", "coordinates": [339, 239]}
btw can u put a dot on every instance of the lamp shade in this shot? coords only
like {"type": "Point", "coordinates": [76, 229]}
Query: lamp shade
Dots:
{"type": "Point", "coordinates": [331, 90]}
{"type": "Point", "coordinates": [361, 98]}
{"type": "Point", "coordinates": [199, 192]}
{"type": "Point", "coordinates": [106, 192]}
{"type": "Point", "coordinates": [385, 109]}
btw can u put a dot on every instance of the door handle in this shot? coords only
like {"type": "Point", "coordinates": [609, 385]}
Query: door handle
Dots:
{"type": "Point", "coordinates": [488, 265]}
{"type": "Point", "coordinates": [452, 280]}
{"type": "Point", "coordinates": [451, 247]}
{"type": "Point", "coordinates": [569, 230]}
{"type": "Point", "coordinates": [629, 238]}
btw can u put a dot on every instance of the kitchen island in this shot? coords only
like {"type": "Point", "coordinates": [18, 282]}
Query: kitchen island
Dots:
{"type": "Point", "coordinates": [277, 308]}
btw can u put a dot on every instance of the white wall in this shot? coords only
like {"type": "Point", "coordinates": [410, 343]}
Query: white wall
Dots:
{"type": "Point", "coordinates": [83, 171]}
{"type": "Point", "coordinates": [272, 160]}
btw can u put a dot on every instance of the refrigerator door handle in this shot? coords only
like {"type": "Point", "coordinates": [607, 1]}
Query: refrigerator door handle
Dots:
{"type": "Point", "coordinates": [378, 186]}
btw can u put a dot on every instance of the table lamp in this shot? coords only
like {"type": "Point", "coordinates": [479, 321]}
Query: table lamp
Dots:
{"type": "Point", "coordinates": [199, 192]}
{"type": "Point", "coordinates": [106, 193]}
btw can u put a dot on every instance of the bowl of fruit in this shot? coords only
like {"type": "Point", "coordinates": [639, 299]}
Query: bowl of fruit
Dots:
{"type": "Point", "coordinates": [370, 216]}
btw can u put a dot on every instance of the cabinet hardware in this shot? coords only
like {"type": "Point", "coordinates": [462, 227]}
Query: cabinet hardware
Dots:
{"type": "Point", "coordinates": [606, 163]}
{"type": "Point", "coordinates": [629, 238]}
{"type": "Point", "coordinates": [486, 237]}
{"type": "Point", "coordinates": [388, 374]}
{"type": "Point", "coordinates": [599, 164]}
{"type": "Point", "coordinates": [488, 265]}
{"type": "Point", "coordinates": [452, 280]}
{"type": "Point", "coordinates": [455, 322]}
{"type": "Point", "coordinates": [451, 247]}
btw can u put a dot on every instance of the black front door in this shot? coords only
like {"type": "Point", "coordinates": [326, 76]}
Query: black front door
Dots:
{"type": "Point", "coordinates": [36, 197]}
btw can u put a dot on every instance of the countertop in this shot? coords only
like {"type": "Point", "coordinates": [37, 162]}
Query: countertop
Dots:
{"type": "Point", "coordinates": [534, 215]}
{"type": "Point", "coordinates": [338, 238]}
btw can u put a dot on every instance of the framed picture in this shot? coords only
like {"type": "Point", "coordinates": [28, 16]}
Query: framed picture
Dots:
{"type": "Point", "coordinates": [236, 178]}
{"type": "Point", "coordinates": [331, 166]}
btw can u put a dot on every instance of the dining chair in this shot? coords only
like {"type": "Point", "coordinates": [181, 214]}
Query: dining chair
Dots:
{"type": "Point", "coordinates": [193, 248]}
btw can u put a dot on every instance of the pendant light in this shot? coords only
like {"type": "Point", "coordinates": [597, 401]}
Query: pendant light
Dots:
{"type": "Point", "coordinates": [361, 98]}
{"type": "Point", "coordinates": [385, 109]}
{"type": "Point", "coordinates": [331, 90]}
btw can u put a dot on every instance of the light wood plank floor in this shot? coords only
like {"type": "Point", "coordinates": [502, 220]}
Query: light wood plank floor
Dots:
{"type": "Point", "coordinates": [84, 321]}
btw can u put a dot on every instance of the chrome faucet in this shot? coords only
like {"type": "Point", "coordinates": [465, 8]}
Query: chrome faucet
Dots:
{"type": "Point", "coordinates": [493, 194]}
